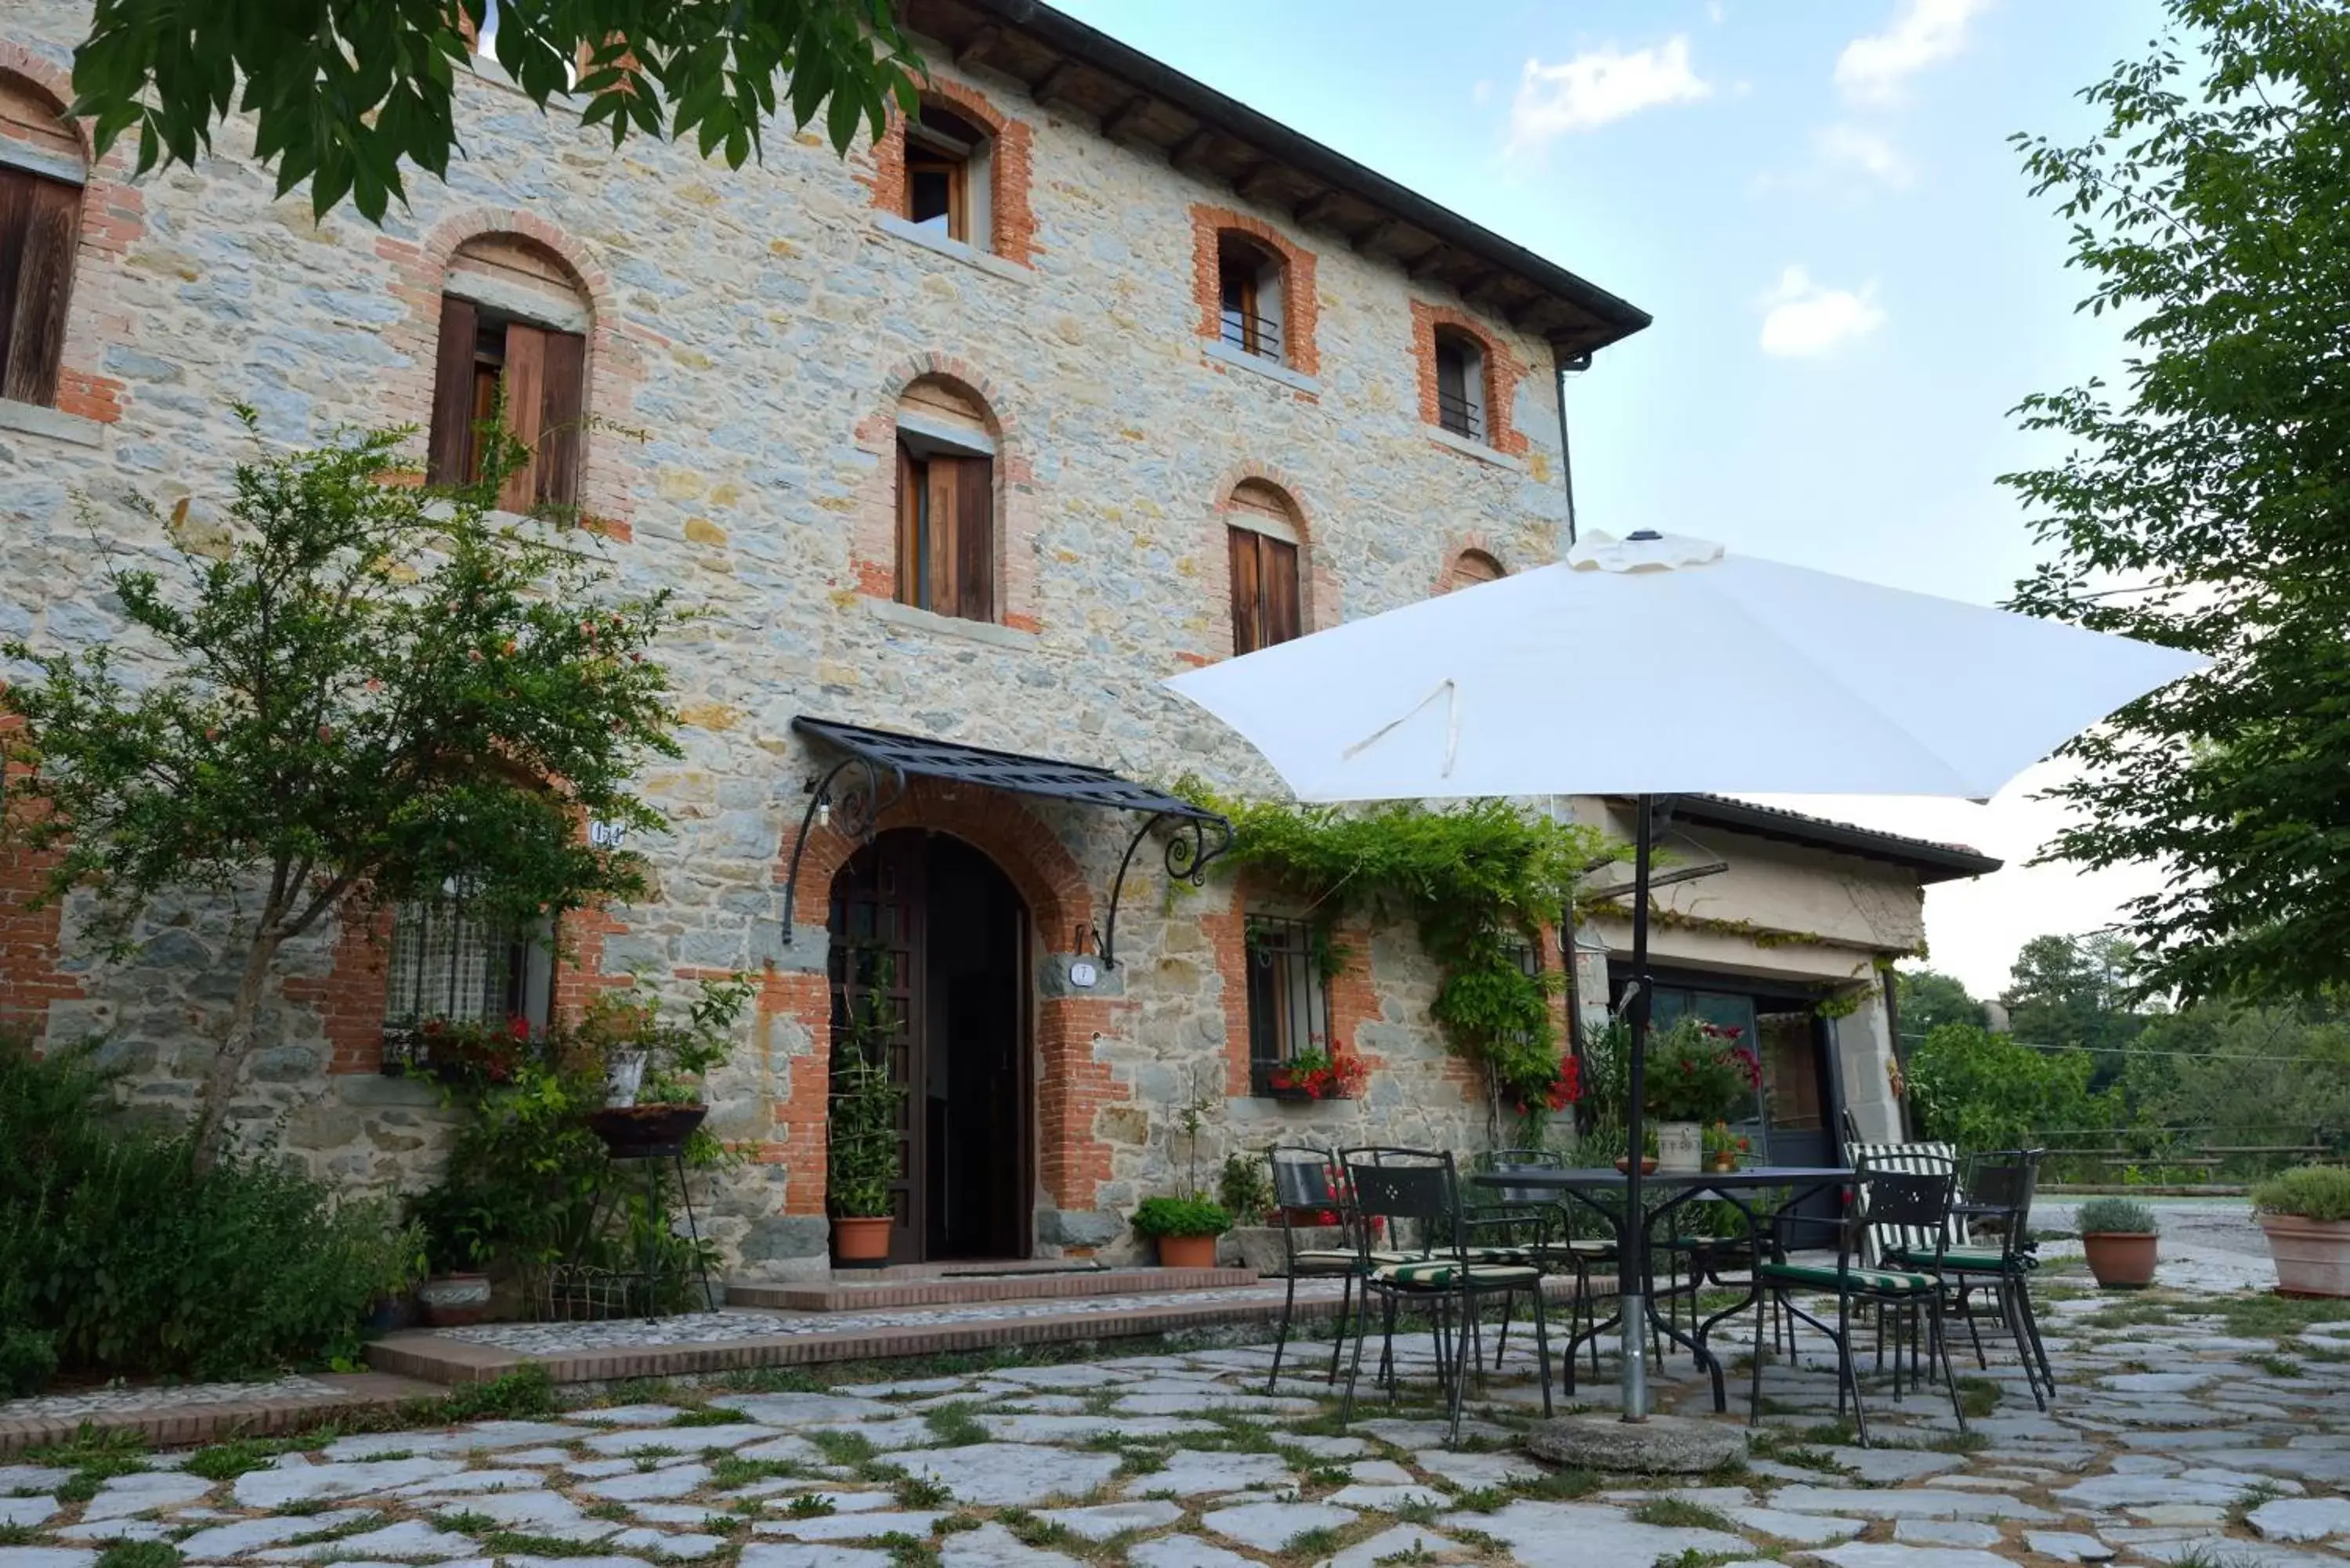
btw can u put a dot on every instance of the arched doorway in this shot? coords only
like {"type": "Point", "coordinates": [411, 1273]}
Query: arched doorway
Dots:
{"type": "Point", "coordinates": [955, 931]}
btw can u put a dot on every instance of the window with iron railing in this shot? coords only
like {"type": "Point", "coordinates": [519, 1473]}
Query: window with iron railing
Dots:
{"type": "Point", "coordinates": [1288, 996]}
{"type": "Point", "coordinates": [1460, 386]}
{"type": "Point", "coordinates": [1248, 284]}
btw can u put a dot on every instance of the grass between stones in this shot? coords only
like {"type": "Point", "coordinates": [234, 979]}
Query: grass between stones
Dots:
{"type": "Point", "coordinates": [1680, 1513]}
{"type": "Point", "coordinates": [138, 1554]}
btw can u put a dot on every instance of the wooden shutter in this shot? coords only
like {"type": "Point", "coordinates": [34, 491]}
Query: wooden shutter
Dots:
{"type": "Point", "coordinates": [562, 404]}
{"type": "Point", "coordinates": [449, 457]}
{"type": "Point", "coordinates": [975, 539]}
{"type": "Point", "coordinates": [944, 476]}
{"type": "Point", "coordinates": [40, 222]}
{"type": "Point", "coordinates": [911, 481]}
{"type": "Point", "coordinates": [526, 389]}
{"type": "Point", "coordinates": [1248, 625]}
{"type": "Point", "coordinates": [1277, 577]}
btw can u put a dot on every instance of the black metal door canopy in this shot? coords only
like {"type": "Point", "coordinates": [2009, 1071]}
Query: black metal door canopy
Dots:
{"type": "Point", "coordinates": [870, 777]}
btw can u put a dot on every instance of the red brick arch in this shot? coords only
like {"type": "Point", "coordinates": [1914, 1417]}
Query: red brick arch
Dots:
{"type": "Point", "coordinates": [56, 85]}
{"type": "Point", "coordinates": [873, 533]}
{"type": "Point", "coordinates": [1010, 171]}
{"type": "Point", "coordinates": [1317, 581]}
{"type": "Point", "coordinates": [1502, 371]}
{"type": "Point", "coordinates": [1071, 1085]}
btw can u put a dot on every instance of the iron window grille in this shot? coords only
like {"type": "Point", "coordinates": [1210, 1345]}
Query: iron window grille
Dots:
{"type": "Point", "coordinates": [1457, 414]}
{"type": "Point", "coordinates": [1288, 996]}
{"type": "Point", "coordinates": [1251, 333]}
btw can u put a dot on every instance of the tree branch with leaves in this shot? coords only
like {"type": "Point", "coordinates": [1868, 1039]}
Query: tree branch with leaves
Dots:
{"type": "Point", "coordinates": [371, 694]}
{"type": "Point", "coordinates": [344, 91]}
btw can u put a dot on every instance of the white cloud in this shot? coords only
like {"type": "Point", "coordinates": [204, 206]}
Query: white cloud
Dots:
{"type": "Point", "coordinates": [1873, 69]}
{"type": "Point", "coordinates": [1803, 320]}
{"type": "Point", "coordinates": [1850, 147]}
{"type": "Point", "coordinates": [1598, 86]}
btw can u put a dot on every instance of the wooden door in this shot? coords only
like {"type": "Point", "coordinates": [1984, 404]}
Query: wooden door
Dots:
{"type": "Point", "coordinates": [877, 925]}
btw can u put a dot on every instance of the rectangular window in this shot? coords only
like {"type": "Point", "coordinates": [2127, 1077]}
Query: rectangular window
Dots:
{"type": "Point", "coordinates": [946, 533]}
{"type": "Point", "coordinates": [545, 375]}
{"type": "Point", "coordinates": [40, 220]}
{"type": "Point", "coordinates": [1288, 1000]}
{"type": "Point", "coordinates": [938, 190]}
{"type": "Point", "coordinates": [1248, 325]}
{"type": "Point", "coordinates": [1458, 396]}
{"type": "Point", "coordinates": [450, 967]}
{"type": "Point", "coordinates": [1264, 590]}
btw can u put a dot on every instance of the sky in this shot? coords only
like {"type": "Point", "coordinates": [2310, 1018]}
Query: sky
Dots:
{"type": "Point", "coordinates": [1851, 281]}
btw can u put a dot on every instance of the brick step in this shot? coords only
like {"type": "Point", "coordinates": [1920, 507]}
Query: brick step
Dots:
{"type": "Point", "coordinates": [954, 1290]}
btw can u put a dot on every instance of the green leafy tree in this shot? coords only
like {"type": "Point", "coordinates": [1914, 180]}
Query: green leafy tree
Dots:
{"type": "Point", "coordinates": [1981, 1090]}
{"type": "Point", "coordinates": [1927, 999]}
{"type": "Point", "coordinates": [359, 692]}
{"type": "Point", "coordinates": [2205, 502]}
{"type": "Point", "coordinates": [344, 91]}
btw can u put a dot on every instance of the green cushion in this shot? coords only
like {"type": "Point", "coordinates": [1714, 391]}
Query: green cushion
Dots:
{"type": "Point", "coordinates": [1438, 1274]}
{"type": "Point", "coordinates": [1320, 1258]}
{"type": "Point", "coordinates": [1965, 1259]}
{"type": "Point", "coordinates": [1587, 1252]}
{"type": "Point", "coordinates": [1827, 1278]}
{"type": "Point", "coordinates": [1501, 1254]}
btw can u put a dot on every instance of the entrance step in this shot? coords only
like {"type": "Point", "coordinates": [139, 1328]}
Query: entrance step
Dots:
{"type": "Point", "coordinates": [884, 1288]}
{"type": "Point", "coordinates": [982, 1269]}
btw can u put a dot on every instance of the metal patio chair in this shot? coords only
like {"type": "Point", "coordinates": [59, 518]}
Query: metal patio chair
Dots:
{"type": "Point", "coordinates": [1414, 1195]}
{"type": "Point", "coordinates": [1886, 1198]}
{"type": "Point", "coordinates": [1308, 1182]}
{"type": "Point", "coordinates": [1999, 1188]}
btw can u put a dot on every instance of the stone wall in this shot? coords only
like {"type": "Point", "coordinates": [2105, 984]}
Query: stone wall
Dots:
{"type": "Point", "coordinates": [751, 334]}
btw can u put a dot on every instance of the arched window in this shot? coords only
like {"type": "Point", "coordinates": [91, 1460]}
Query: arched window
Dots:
{"type": "Point", "coordinates": [1249, 285]}
{"type": "Point", "coordinates": [1461, 383]}
{"type": "Point", "coordinates": [1471, 567]}
{"type": "Point", "coordinates": [515, 318]}
{"type": "Point", "coordinates": [1265, 537]}
{"type": "Point", "coordinates": [41, 175]}
{"type": "Point", "coordinates": [948, 160]}
{"type": "Point", "coordinates": [946, 501]}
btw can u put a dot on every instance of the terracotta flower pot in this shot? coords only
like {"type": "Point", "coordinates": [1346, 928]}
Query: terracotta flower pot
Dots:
{"type": "Point", "coordinates": [1187, 1251]}
{"type": "Point", "coordinates": [860, 1240]}
{"type": "Point", "coordinates": [1648, 1165]}
{"type": "Point", "coordinates": [2313, 1256]}
{"type": "Point", "coordinates": [453, 1300]}
{"type": "Point", "coordinates": [2122, 1260]}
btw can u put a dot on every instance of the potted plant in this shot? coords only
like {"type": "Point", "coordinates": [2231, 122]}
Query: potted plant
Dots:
{"type": "Point", "coordinates": [655, 1068]}
{"type": "Point", "coordinates": [1725, 1150]}
{"type": "Point", "coordinates": [861, 1134]}
{"type": "Point", "coordinates": [2118, 1235]}
{"type": "Point", "coordinates": [456, 1287]}
{"type": "Point", "coordinates": [1648, 1154]}
{"type": "Point", "coordinates": [1317, 1074]}
{"type": "Point", "coordinates": [1185, 1228]}
{"type": "Point", "coordinates": [1698, 1072]}
{"type": "Point", "coordinates": [2306, 1213]}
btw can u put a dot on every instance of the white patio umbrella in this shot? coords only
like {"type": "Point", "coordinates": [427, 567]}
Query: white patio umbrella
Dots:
{"type": "Point", "coordinates": [1781, 680]}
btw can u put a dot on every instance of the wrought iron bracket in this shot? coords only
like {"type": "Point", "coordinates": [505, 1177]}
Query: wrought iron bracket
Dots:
{"type": "Point", "coordinates": [1187, 857]}
{"type": "Point", "coordinates": [852, 809]}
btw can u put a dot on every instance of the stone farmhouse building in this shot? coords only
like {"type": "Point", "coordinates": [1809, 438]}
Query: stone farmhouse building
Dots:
{"type": "Point", "coordinates": [1088, 374]}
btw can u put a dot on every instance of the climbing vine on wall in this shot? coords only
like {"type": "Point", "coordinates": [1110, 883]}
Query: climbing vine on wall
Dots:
{"type": "Point", "coordinates": [1480, 879]}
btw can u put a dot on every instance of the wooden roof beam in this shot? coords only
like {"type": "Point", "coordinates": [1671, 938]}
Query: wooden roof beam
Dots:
{"type": "Point", "coordinates": [975, 47]}
{"type": "Point", "coordinates": [1316, 207]}
{"type": "Point", "coordinates": [1125, 116]}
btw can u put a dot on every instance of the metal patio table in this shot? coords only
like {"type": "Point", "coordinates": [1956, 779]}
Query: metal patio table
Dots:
{"type": "Point", "coordinates": [1602, 1190]}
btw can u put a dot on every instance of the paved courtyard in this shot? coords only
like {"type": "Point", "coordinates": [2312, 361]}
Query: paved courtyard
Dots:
{"type": "Point", "coordinates": [2190, 1429]}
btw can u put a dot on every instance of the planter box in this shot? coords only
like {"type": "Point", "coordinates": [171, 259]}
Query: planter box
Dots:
{"type": "Point", "coordinates": [2313, 1256]}
{"type": "Point", "coordinates": [1259, 1247]}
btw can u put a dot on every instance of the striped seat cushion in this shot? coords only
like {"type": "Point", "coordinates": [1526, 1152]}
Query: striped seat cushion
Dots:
{"type": "Point", "coordinates": [1442, 1274]}
{"type": "Point", "coordinates": [1588, 1252]}
{"type": "Point", "coordinates": [1501, 1254]}
{"type": "Point", "coordinates": [1879, 1243]}
{"type": "Point", "coordinates": [1825, 1277]}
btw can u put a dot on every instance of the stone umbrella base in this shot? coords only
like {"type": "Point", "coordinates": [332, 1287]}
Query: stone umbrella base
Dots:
{"type": "Point", "coordinates": [1661, 1445]}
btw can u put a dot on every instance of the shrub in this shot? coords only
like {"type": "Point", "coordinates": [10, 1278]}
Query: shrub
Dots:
{"type": "Point", "coordinates": [1246, 1188]}
{"type": "Point", "coordinates": [117, 1258]}
{"type": "Point", "coordinates": [1181, 1216]}
{"type": "Point", "coordinates": [2114, 1216]}
{"type": "Point", "coordinates": [2311, 1192]}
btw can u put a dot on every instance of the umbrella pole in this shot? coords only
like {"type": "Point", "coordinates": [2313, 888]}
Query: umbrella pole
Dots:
{"type": "Point", "coordinates": [1632, 1303]}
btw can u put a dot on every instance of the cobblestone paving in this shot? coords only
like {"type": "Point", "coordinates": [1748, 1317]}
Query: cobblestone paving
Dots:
{"type": "Point", "coordinates": [743, 1322]}
{"type": "Point", "coordinates": [148, 1396]}
{"type": "Point", "coordinates": [2188, 1430]}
